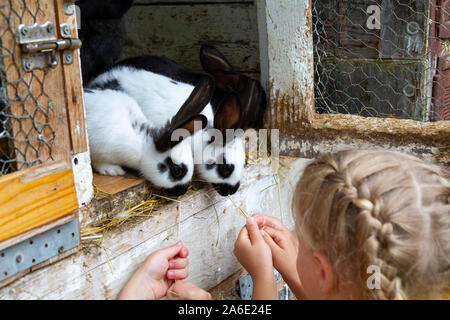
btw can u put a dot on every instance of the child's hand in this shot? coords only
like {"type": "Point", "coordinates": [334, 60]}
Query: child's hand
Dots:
{"type": "Point", "coordinates": [185, 290]}
{"type": "Point", "coordinates": [157, 274]}
{"type": "Point", "coordinates": [284, 247]}
{"type": "Point", "coordinates": [255, 256]}
{"type": "Point", "coordinates": [283, 244]}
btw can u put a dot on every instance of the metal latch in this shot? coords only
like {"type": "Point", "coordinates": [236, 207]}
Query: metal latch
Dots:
{"type": "Point", "coordinates": [40, 45]}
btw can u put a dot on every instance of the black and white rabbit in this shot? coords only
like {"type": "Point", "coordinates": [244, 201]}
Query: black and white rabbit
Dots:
{"type": "Point", "coordinates": [120, 135]}
{"type": "Point", "coordinates": [102, 33]}
{"type": "Point", "coordinates": [234, 94]}
{"type": "Point", "coordinates": [150, 78]}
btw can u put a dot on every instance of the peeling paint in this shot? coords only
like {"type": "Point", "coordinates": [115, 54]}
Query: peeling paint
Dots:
{"type": "Point", "coordinates": [82, 172]}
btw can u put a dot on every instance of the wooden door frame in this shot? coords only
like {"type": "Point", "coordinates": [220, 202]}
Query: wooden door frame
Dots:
{"type": "Point", "coordinates": [56, 189]}
{"type": "Point", "coordinates": [287, 71]}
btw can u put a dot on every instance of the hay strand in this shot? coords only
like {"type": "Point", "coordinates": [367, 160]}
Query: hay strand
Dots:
{"type": "Point", "coordinates": [242, 212]}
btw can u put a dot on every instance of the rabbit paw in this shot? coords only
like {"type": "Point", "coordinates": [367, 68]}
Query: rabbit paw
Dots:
{"type": "Point", "coordinates": [109, 169]}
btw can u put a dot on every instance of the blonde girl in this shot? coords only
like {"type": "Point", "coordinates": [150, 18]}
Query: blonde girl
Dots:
{"type": "Point", "coordinates": [369, 225]}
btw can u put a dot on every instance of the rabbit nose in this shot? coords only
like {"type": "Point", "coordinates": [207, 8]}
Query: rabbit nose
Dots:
{"type": "Point", "coordinates": [225, 170]}
{"type": "Point", "coordinates": [178, 190]}
{"type": "Point", "coordinates": [225, 189]}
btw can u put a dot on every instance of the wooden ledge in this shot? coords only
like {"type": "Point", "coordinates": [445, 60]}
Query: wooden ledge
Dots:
{"type": "Point", "coordinates": [207, 223]}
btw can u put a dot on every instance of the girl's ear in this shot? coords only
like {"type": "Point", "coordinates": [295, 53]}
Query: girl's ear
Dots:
{"type": "Point", "coordinates": [325, 274]}
{"type": "Point", "coordinates": [215, 63]}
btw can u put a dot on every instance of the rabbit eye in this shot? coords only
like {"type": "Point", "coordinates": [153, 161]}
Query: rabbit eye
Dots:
{"type": "Point", "coordinates": [176, 171]}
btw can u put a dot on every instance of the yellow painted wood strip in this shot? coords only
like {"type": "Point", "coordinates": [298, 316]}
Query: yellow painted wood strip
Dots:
{"type": "Point", "coordinates": [25, 206]}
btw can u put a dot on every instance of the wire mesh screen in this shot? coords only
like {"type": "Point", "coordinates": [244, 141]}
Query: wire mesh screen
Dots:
{"type": "Point", "coordinates": [381, 58]}
{"type": "Point", "coordinates": [26, 137]}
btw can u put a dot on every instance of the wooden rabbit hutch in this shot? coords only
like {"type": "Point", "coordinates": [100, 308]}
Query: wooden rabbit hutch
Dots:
{"type": "Point", "coordinates": [334, 81]}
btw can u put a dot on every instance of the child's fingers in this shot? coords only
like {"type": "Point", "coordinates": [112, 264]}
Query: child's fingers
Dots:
{"type": "Point", "coordinates": [172, 251]}
{"type": "Point", "coordinates": [177, 274]}
{"type": "Point", "coordinates": [243, 235]}
{"type": "Point", "coordinates": [267, 221]}
{"type": "Point", "coordinates": [276, 235]}
{"type": "Point", "coordinates": [253, 230]}
{"type": "Point", "coordinates": [171, 293]}
{"type": "Point", "coordinates": [184, 252]}
{"type": "Point", "coordinates": [270, 242]}
{"type": "Point", "coordinates": [178, 263]}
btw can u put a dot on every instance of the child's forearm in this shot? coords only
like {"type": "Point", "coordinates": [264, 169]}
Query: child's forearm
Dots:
{"type": "Point", "coordinates": [264, 288]}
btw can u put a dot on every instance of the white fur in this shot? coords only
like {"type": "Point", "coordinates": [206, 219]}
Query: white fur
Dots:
{"type": "Point", "coordinates": [115, 143]}
{"type": "Point", "coordinates": [234, 152]}
{"type": "Point", "coordinates": [160, 98]}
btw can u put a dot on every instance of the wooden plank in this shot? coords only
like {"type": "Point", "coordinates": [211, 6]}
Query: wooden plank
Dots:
{"type": "Point", "coordinates": [289, 70]}
{"type": "Point", "coordinates": [34, 232]}
{"type": "Point", "coordinates": [209, 236]}
{"type": "Point", "coordinates": [229, 288]}
{"type": "Point", "coordinates": [332, 132]}
{"type": "Point", "coordinates": [178, 31]}
{"type": "Point", "coordinates": [73, 87]}
{"type": "Point", "coordinates": [39, 120]}
{"type": "Point", "coordinates": [28, 205]}
{"type": "Point", "coordinates": [114, 185]}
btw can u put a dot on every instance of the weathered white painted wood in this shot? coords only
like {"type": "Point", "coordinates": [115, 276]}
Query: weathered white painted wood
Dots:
{"type": "Point", "coordinates": [209, 237]}
{"type": "Point", "coordinates": [287, 67]}
{"type": "Point", "coordinates": [178, 31]}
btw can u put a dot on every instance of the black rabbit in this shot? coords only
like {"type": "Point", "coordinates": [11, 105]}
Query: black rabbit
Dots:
{"type": "Point", "coordinates": [102, 33]}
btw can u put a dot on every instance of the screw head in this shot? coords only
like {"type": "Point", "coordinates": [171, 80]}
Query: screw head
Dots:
{"type": "Point", "coordinates": [69, 9]}
{"type": "Point", "coordinates": [65, 30]}
{"type": "Point", "coordinates": [24, 31]}
{"type": "Point", "coordinates": [50, 28]}
{"type": "Point", "coordinates": [68, 58]}
{"type": "Point", "coordinates": [19, 258]}
{"type": "Point", "coordinates": [28, 65]}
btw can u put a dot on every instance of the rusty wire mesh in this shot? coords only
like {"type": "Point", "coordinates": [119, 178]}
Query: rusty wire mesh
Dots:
{"type": "Point", "coordinates": [26, 137]}
{"type": "Point", "coordinates": [380, 59]}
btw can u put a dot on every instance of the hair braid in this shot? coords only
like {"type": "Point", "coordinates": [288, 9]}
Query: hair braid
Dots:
{"type": "Point", "coordinates": [379, 208]}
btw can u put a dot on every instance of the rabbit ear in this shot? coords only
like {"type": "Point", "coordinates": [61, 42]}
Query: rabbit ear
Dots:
{"type": "Point", "coordinates": [254, 102]}
{"type": "Point", "coordinates": [167, 137]}
{"type": "Point", "coordinates": [187, 115]}
{"type": "Point", "coordinates": [229, 114]}
{"type": "Point", "coordinates": [214, 63]}
{"type": "Point", "coordinates": [196, 102]}
{"type": "Point", "coordinates": [191, 124]}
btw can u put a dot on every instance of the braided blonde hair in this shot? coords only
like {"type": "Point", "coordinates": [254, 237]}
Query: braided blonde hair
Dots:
{"type": "Point", "coordinates": [363, 208]}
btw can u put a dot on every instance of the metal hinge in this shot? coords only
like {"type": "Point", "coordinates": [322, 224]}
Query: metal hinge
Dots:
{"type": "Point", "coordinates": [31, 252]}
{"type": "Point", "coordinates": [40, 45]}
